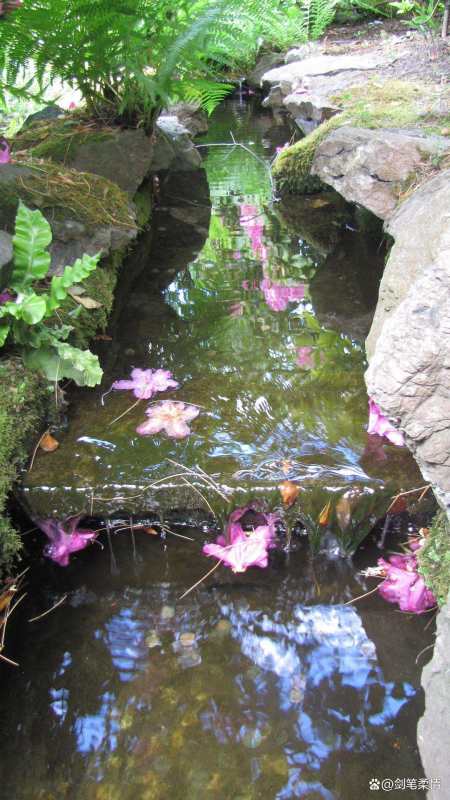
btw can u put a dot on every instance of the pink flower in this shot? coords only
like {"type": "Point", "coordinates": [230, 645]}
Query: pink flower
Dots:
{"type": "Point", "coordinates": [251, 221]}
{"type": "Point", "coordinates": [278, 297]}
{"type": "Point", "coordinates": [64, 538]}
{"type": "Point", "coordinates": [380, 425]}
{"type": "Point", "coordinates": [170, 416]}
{"type": "Point", "coordinates": [240, 549]}
{"type": "Point", "coordinates": [403, 584]}
{"type": "Point", "coordinates": [145, 383]}
{"type": "Point", "coordinates": [237, 255]}
{"type": "Point", "coordinates": [5, 154]}
{"type": "Point", "coordinates": [304, 357]}
{"type": "Point", "coordinates": [279, 150]}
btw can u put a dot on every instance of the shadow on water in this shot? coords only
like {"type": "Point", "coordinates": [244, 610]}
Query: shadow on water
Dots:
{"type": "Point", "coordinates": [264, 685]}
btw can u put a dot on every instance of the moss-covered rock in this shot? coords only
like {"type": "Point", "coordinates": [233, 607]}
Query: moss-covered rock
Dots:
{"type": "Point", "coordinates": [23, 406]}
{"type": "Point", "coordinates": [391, 105]}
{"type": "Point", "coordinates": [434, 558]}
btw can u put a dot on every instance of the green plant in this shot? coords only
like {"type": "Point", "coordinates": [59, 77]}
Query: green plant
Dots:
{"type": "Point", "coordinates": [422, 15]}
{"type": "Point", "coordinates": [27, 318]}
{"type": "Point", "coordinates": [434, 558]}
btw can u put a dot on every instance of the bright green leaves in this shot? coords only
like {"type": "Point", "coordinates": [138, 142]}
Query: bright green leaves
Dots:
{"type": "Point", "coordinates": [23, 318]}
{"type": "Point", "coordinates": [31, 238]}
{"type": "Point", "coordinates": [76, 274]}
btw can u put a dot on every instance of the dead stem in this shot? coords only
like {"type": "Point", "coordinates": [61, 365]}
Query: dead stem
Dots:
{"type": "Point", "coordinates": [361, 596]}
{"type": "Point", "coordinates": [200, 581]}
{"type": "Point", "coordinates": [126, 412]}
{"type": "Point", "coordinates": [203, 475]}
{"type": "Point", "coordinates": [188, 483]}
{"type": "Point", "coordinates": [36, 449]}
{"type": "Point", "coordinates": [49, 610]}
{"type": "Point", "coordinates": [428, 647]}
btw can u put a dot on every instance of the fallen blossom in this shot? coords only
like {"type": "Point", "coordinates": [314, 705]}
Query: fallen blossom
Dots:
{"type": "Point", "coordinates": [289, 492]}
{"type": "Point", "coordinates": [380, 425]}
{"type": "Point", "coordinates": [278, 297]}
{"type": "Point", "coordinates": [305, 357]}
{"type": "Point", "coordinates": [145, 383]}
{"type": "Point", "coordinates": [169, 416]}
{"type": "Point", "coordinates": [5, 154]}
{"type": "Point", "coordinates": [402, 583]}
{"type": "Point", "coordinates": [240, 549]}
{"type": "Point", "coordinates": [65, 538]}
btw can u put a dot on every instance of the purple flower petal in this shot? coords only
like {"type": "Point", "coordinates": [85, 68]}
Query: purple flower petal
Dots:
{"type": "Point", "coordinates": [65, 538]}
{"type": "Point", "coordinates": [169, 416]}
{"type": "Point", "coordinates": [380, 425]}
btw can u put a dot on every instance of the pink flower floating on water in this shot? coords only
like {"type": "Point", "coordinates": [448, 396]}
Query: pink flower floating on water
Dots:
{"type": "Point", "coordinates": [278, 297]}
{"type": "Point", "coordinates": [170, 416]}
{"type": "Point", "coordinates": [240, 549]}
{"type": "Point", "coordinates": [305, 357]}
{"type": "Point", "coordinates": [145, 383]}
{"type": "Point", "coordinates": [5, 154]}
{"type": "Point", "coordinates": [403, 584]}
{"type": "Point", "coordinates": [65, 538]}
{"type": "Point", "coordinates": [380, 425]}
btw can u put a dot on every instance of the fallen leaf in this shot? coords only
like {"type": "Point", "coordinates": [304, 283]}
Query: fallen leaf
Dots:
{"type": "Point", "coordinates": [319, 202]}
{"type": "Point", "coordinates": [286, 467]}
{"type": "Point", "coordinates": [151, 531]}
{"type": "Point", "coordinates": [289, 492]}
{"type": "Point", "coordinates": [76, 290]}
{"type": "Point", "coordinates": [344, 512]}
{"type": "Point", "coordinates": [325, 514]}
{"type": "Point", "coordinates": [102, 337]}
{"type": "Point", "coordinates": [87, 302]}
{"type": "Point", "coordinates": [48, 443]}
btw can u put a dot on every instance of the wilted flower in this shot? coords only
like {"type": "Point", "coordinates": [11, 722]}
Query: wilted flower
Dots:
{"type": "Point", "coordinates": [380, 425]}
{"type": "Point", "coordinates": [169, 416]}
{"type": "Point", "coordinates": [289, 492]}
{"type": "Point", "coordinates": [64, 538]}
{"type": "Point", "coordinates": [145, 383]}
{"type": "Point", "coordinates": [5, 154]}
{"type": "Point", "coordinates": [240, 549]}
{"type": "Point", "coordinates": [403, 584]}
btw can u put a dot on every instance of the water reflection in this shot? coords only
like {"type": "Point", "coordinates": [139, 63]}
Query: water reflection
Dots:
{"type": "Point", "coordinates": [256, 686]}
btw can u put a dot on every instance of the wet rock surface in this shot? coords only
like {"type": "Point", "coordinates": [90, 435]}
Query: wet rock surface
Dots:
{"type": "Point", "coordinates": [433, 728]}
{"type": "Point", "coordinates": [173, 147]}
{"type": "Point", "coordinates": [371, 167]}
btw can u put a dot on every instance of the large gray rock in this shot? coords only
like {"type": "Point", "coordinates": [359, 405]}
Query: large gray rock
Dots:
{"type": "Point", "coordinates": [315, 101]}
{"type": "Point", "coordinates": [6, 250]}
{"type": "Point", "coordinates": [370, 167]}
{"type": "Point", "coordinates": [194, 119]}
{"type": "Point", "coordinates": [173, 147]}
{"type": "Point", "coordinates": [263, 64]}
{"type": "Point", "coordinates": [124, 157]}
{"type": "Point", "coordinates": [409, 371]}
{"type": "Point", "coordinates": [420, 229]}
{"type": "Point", "coordinates": [71, 236]}
{"type": "Point", "coordinates": [294, 74]}
{"type": "Point", "coordinates": [433, 731]}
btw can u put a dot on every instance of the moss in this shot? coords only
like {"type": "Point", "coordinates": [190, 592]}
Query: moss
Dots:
{"type": "Point", "coordinates": [434, 558]}
{"type": "Point", "coordinates": [23, 404]}
{"type": "Point", "coordinates": [393, 104]}
{"type": "Point", "coordinates": [58, 139]}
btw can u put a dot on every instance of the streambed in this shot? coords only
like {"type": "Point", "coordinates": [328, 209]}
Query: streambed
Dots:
{"type": "Point", "coordinates": [262, 685]}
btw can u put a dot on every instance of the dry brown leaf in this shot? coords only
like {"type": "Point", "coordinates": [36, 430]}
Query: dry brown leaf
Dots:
{"type": "Point", "coordinates": [86, 302]}
{"type": "Point", "coordinates": [289, 492]}
{"type": "Point", "coordinates": [286, 467]}
{"type": "Point", "coordinates": [325, 514]}
{"type": "Point", "coordinates": [48, 443]}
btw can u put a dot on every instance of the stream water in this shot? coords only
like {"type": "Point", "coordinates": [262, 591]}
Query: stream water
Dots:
{"type": "Point", "coordinates": [263, 685]}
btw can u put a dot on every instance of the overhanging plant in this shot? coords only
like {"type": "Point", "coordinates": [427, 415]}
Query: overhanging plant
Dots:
{"type": "Point", "coordinates": [27, 311]}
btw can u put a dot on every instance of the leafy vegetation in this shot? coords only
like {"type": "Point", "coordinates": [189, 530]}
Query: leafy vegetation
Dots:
{"type": "Point", "coordinates": [24, 313]}
{"type": "Point", "coordinates": [434, 558]}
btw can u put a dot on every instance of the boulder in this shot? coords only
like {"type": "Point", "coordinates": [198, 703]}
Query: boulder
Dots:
{"type": "Point", "coordinates": [73, 233]}
{"type": "Point", "coordinates": [124, 157]}
{"type": "Point", "coordinates": [6, 250]}
{"type": "Point", "coordinates": [409, 369]}
{"type": "Point", "coordinates": [263, 64]}
{"type": "Point", "coordinates": [433, 732]}
{"type": "Point", "coordinates": [173, 147]}
{"type": "Point", "coordinates": [275, 98]}
{"type": "Point", "coordinates": [314, 101]}
{"type": "Point", "coordinates": [371, 167]}
{"type": "Point", "coordinates": [297, 54]}
{"type": "Point", "coordinates": [296, 73]}
{"type": "Point", "coordinates": [420, 228]}
{"type": "Point", "coordinates": [190, 115]}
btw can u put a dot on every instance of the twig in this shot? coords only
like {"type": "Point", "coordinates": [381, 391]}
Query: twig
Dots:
{"type": "Point", "coordinates": [126, 412]}
{"type": "Point", "coordinates": [361, 596]}
{"type": "Point", "coordinates": [423, 489]}
{"type": "Point", "coordinates": [49, 610]}
{"type": "Point", "coordinates": [428, 647]}
{"type": "Point", "coordinates": [36, 449]}
{"type": "Point", "coordinates": [9, 660]}
{"type": "Point", "coordinates": [201, 580]}
{"type": "Point", "coordinates": [188, 483]}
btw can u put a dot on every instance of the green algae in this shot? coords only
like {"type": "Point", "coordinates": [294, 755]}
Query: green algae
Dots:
{"type": "Point", "coordinates": [434, 558]}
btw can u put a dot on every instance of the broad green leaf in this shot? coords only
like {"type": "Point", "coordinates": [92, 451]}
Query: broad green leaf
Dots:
{"type": "Point", "coordinates": [33, 308]}
{"type": "Point", "coordinates": [4, 330]}
{"type": "Point", "coordinates": [31, 259]}
{"type": "Point", "coordinates": [65, 361]}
